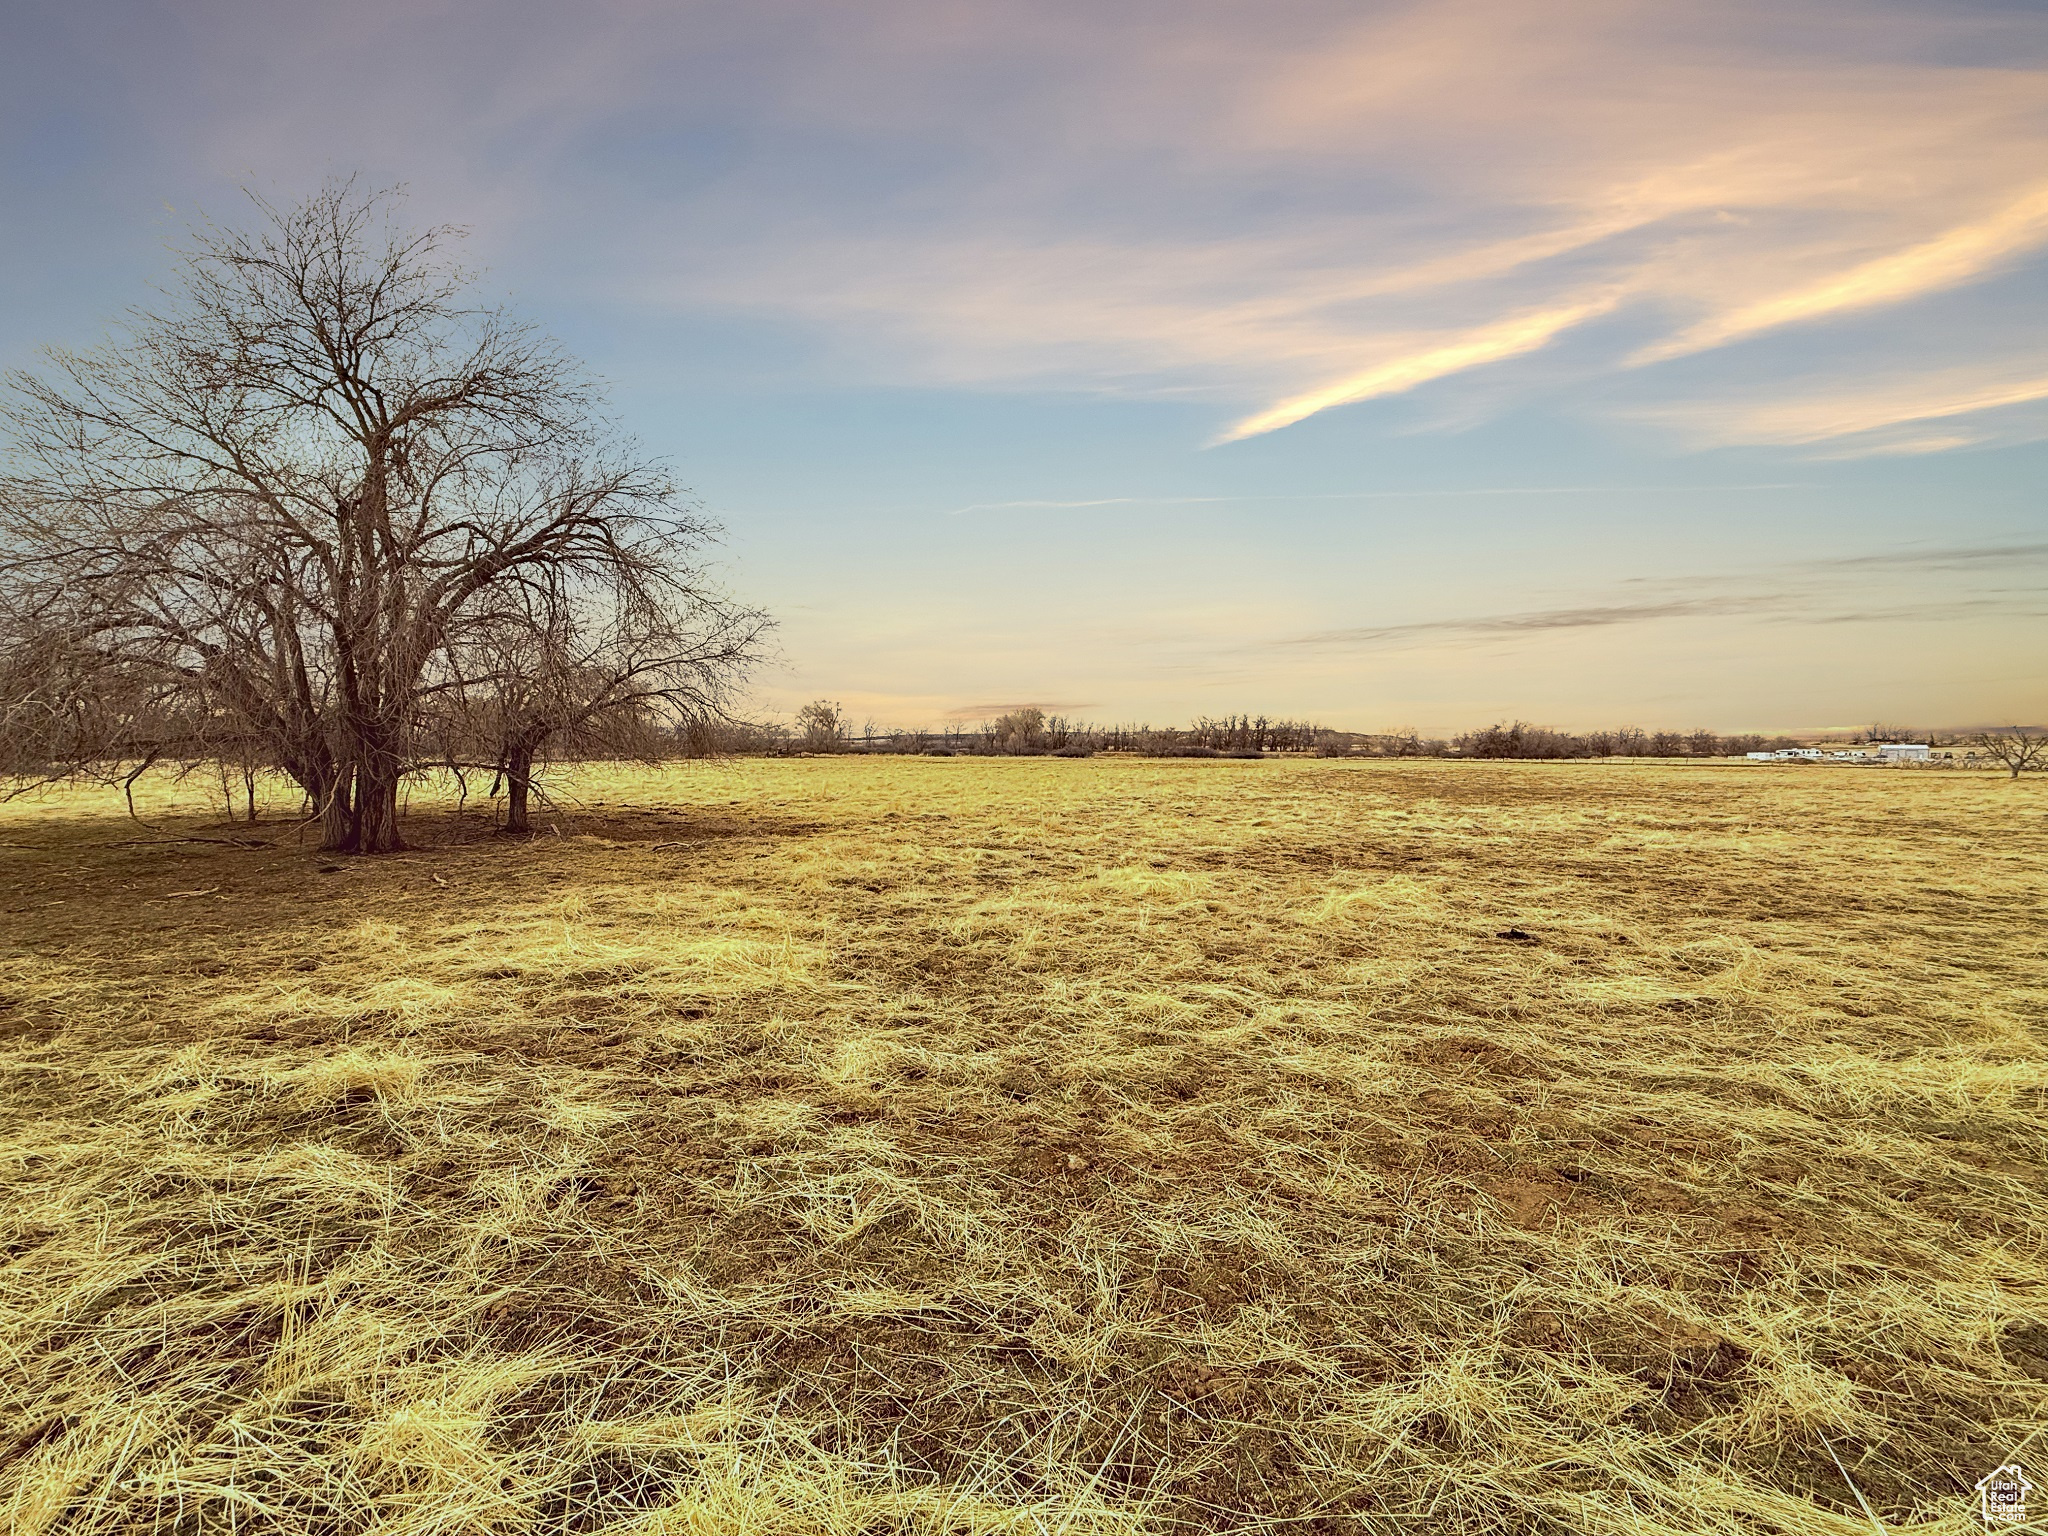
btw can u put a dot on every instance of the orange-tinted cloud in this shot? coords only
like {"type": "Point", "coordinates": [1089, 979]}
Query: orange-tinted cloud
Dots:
{"type": "Point", "coordinates": [1956, 256]}
{"type": "Point", "coordinates": [1488, 344]}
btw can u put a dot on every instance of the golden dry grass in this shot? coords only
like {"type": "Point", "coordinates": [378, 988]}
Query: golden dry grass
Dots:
{"type": "Point", "coordinates": [864, 1146]}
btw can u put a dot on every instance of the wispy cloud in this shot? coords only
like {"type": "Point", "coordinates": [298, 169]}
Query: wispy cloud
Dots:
{"type": "Point", "coordinates": [1542, 620]}
{"type": "Point", "coordinates": [1949, 558]}
{"type": "Point", "coordinates": [1783, 606]}
{"type": "Point", "coordinates": [1830, 591]}
{"type": "Point", "coordinates": [1957, 256]}
{"type": "Point", "coordinates": [1859, 420]}
{"type": "Point", "coordinates": [1488, 344]}
{"type": "Point", "coordinates": [1093, 501]}
{"type": "Point", "coordinates": [1909, 447]}
{"type": "Point", "coordinates": [1427, 494]}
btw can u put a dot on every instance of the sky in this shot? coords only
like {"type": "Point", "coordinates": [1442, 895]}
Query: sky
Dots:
{"type": "Point", "coordinates": [1393, 365]}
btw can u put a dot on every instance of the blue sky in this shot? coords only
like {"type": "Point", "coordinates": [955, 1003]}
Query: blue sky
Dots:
{"type": "Point", "coordinates": [1398, 365]}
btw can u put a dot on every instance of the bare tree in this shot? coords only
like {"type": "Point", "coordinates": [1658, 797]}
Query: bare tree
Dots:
{"type": "Point", "coordinates": [2016, 748]}
{"type": "Point", "coordinates": [63, 708]}
{"type": "Point", "coordinates": [1021, 730]}
{"type": "Point", "coordinates": [822, 724]}
{"type": "Point", "coordinates": [282, 494]}
{"type": "Point", "coordinates": [625, 671]}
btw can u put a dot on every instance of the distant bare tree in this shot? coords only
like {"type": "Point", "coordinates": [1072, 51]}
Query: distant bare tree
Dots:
{"type": "Point", "coordinates": [1021, 730]}
{"type": "Point", "coordinates": [822, 724]}
{"type": "Point", "coordinates": [1405, 742]}
{"type": "Point", "coordinates": [2015, 748]}
{"type": "Point", "coordinates": [279, 498]}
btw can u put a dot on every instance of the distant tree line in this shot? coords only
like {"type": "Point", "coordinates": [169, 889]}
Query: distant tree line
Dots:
{"type": "Point", "coordinates": [824, 726]}
{"type": "Point", "coordinates": [1521, 740]}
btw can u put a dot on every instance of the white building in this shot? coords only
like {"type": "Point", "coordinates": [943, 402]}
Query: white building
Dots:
{"type": "Point", "coordinates": [1903, 751]}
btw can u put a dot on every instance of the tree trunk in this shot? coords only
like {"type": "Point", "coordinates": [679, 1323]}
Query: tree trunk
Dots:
{"type": "Point", "coordinates": [338, 813]}
{"type": "Point", "coordinates": [376, 815]}
{"type": "Point", "coordinates": [360, 812]}
{"type": "Point", "coordinates": [518, 782]}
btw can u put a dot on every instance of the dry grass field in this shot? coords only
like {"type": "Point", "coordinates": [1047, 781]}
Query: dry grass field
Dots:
{"type": "Point", "coordinates": [909, 1145]}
